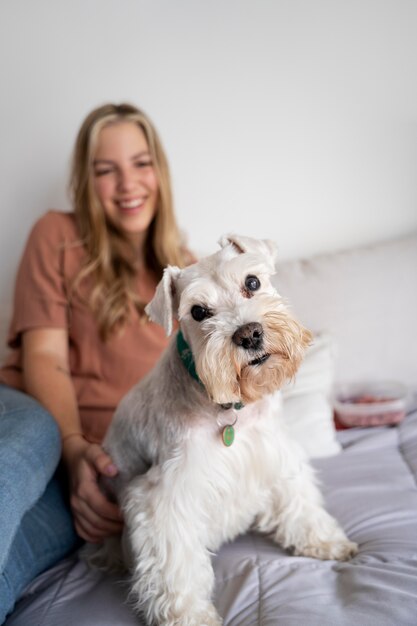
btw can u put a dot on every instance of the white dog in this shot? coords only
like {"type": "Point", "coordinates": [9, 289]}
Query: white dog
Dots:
{"type": "Point", "coordinates": [202, 456]}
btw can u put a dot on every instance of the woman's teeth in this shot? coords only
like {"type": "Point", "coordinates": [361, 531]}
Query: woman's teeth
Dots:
{"type": "Point", "coordinates": [132, 204]}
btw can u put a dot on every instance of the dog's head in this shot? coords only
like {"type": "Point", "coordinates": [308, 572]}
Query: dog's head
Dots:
{"type": "Point", "coordinates": [244, 341]}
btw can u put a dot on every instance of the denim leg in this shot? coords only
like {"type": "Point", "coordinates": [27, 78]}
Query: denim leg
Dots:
{"type": "Point", "coordinates": [29, 453]}
{"type": "Point", "coordinates": [45, 535]}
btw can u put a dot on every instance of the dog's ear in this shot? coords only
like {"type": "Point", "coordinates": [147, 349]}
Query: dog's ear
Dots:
{"type": "Point", "coordinates": [250, 244]}
{"type": "Point", "coordinates": [163, 306]}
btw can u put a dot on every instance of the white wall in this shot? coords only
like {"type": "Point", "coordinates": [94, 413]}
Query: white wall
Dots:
{"type": "Point", "coordinates": [291, 119]}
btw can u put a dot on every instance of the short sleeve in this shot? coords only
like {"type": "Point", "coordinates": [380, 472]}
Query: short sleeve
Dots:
{"type": "Point", "coordinates": [40, 299]}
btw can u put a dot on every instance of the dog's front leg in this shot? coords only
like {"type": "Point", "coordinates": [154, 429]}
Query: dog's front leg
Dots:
{"type": "Point", "coordinates": [297, 520]}
{"type": "Point", "coordinates": [172, 575]}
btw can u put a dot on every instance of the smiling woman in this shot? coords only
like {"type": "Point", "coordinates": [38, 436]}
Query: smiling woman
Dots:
{"type": "Point", "coordinates": [125, 180]}
{"type": "Point", "coordinates": [79, 340]}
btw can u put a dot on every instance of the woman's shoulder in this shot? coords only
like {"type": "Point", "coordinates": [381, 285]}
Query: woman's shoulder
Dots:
{"type": "Point", "coordinates": [57, 224]}
{"type": "Point", "coordinates": [54, 235]}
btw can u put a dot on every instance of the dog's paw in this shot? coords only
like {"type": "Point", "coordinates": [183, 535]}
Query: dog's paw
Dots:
{"type": "Point", "coordinates": [208, 617]}
{"type": "Point", "coordinates": [332, 550]}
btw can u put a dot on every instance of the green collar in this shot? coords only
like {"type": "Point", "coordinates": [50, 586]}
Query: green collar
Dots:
{"type": "Point", "coordinates": [186, 357]}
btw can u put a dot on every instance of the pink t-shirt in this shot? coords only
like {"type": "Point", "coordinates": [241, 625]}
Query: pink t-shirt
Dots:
{"type": "Point", "coordinates": [102, 372]}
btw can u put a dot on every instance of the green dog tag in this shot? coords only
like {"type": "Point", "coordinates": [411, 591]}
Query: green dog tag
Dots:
{"type": "Point", "coordinates": [228, 435]}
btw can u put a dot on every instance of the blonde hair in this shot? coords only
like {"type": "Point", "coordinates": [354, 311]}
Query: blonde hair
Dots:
{"type": "Point", "coordinates": [111, 259]}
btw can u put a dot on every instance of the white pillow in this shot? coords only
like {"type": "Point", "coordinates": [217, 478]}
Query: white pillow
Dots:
{"type": "Point", "coordinates": [307, 408]}
{"type": "Point", "coordinates": [366, 298]}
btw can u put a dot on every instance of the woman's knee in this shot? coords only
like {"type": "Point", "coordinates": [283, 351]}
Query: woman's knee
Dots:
{"type": "Point", "coordinates": [45, 430]}
{"type": "Point", "coordinates": [28, 424]}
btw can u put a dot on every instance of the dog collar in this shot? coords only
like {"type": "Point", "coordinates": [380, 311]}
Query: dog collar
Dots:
{"type": "Point", "coordinates": [186, 357]}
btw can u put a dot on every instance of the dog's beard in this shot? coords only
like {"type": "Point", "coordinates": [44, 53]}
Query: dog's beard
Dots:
{"type": "Point", "coordinates": [233, 374]}
{"type": "Point", "coordinates": [285, 340]}
{"type": "Point", "coordinates": [217, 367]}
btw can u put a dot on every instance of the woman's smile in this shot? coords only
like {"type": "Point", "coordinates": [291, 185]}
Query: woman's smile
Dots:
{"type": "Point", "coordinates": [131, 206]}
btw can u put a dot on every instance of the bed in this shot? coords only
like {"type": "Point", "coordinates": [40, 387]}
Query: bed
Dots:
{"type": "Point", "coordinates": [362, 305]}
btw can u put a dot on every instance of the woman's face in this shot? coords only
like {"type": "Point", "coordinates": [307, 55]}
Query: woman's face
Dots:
{"type": "Point", "coordinates": [124, 178]}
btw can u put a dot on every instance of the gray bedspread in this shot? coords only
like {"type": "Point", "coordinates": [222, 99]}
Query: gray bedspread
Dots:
{"type": "Point", "coordinates": [370, 487]}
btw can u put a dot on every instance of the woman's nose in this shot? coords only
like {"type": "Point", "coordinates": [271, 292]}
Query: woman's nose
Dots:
{"type": "Point", "coordinates": [127, 180]}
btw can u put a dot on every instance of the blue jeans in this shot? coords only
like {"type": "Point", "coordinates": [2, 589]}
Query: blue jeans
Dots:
{"type": "Point", "coordinates": [36, 528]}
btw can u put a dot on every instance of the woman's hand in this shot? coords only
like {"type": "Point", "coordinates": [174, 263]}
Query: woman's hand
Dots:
{"type": "Point", "coordinates": [95, 517]}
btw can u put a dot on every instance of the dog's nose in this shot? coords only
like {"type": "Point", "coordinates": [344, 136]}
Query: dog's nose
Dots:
{"type": "Point", "coordinates": [249, 336]}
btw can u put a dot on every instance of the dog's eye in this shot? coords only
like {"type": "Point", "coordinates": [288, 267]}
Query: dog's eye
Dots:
{"type": "Point", "coordinates": [252, 283]}
{"type": "Point", "coordinates": [199, 313]}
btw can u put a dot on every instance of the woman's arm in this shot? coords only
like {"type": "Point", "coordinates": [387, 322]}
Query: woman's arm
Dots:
{"type": "Point", "coordinates": [47, 378]}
